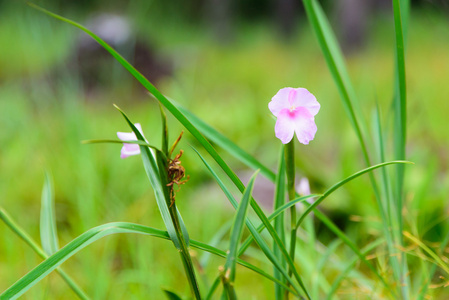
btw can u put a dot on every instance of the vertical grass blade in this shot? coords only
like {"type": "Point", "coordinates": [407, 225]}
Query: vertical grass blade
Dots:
{"type": "Point", "coordinates": [279, 226]}
{"type": "Point", "coordinates": [400, 135]}
{"type": "Point", "coordinates": [48, 230]}
{"type": "Point", "coordinates": [236, 236]}
{"type": "Point", "coordinates": [336, 65]}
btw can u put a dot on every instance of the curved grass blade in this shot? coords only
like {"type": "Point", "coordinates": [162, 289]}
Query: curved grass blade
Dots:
{"type": "Point", "coordinates": [92, 235]}
{"type": "Point", "coordinates": [48, 230]}
{"type": "Point", "coordinates": [236, 236]}
{"type": "Point", "coordinates": [339, 184]}
{"type": "Point", "coordinates": [20, 232]}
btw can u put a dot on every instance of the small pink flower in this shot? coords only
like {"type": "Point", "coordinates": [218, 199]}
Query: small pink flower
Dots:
{"type": "Point", "coordinates": [295, 110]}
{"type": "Point", "coordinates": [129, 149]}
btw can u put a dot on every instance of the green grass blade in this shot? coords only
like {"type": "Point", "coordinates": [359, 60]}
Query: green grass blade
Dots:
{"type": "Point", "coordinates": [48, 230]}
{"type": "Point", "coordinates": [279, 225]}
{"type": "Point", "coordinates": [153, 175]}
{"type": "Point", "coordinates": [336, 65]}
{"type": "Point", "coordinates": [20, 232]}
{"type": "Point", "coordinates": [92, 235]}
{"type": "Point", "coordinates": [400, 136]}
{"type": "Point", "coordinates": [344, 181]}
{"type": "Point", "coordinates": [237, 230]}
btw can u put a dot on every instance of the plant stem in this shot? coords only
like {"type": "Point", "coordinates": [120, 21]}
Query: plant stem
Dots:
{"type": "Point", "coordinates": [185, 254]}
{"type": "Point", "coordinates": [290, 170]}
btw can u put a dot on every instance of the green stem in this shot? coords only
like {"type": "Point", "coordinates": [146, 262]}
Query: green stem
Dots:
{"type": "Point", "coordinates": [7, 219]}
{"type": "Point", "coordinates": [290, 170]}
{"type": "Point", "coordinates": [185, 254]}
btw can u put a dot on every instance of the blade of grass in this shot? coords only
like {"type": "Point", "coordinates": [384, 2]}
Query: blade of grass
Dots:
{"type": "Point", "coordinates": [87, 238]}
{"type": "Point", "coordinates": [400, 135]}
{"type": "Point", "coordinates": [339, 184]}
{"type": "Point", "coordinates": [279, 200]}
{"type": "Point", "coordinates": [236, 236]}
{"type": "Point", "coordinates": [336, 65]}
{"type": "Point", "coordinates": [48, 230]}
{"type": "Point", "coordinates": [21, 233]}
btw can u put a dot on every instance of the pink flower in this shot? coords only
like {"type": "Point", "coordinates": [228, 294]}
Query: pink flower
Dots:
{"type": "Point", "coordinates": [129, 149]}
{"type": "Point", "coordinates": [295, 110]}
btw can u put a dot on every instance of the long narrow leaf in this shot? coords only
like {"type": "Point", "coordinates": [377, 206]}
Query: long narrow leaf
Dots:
{"type": "Point", "coordinates": [237, 229]}
{"type": "Point", "coordinates": [90, 236]}
{"type": "Point", "coordinates": [48, 230]}
{"type": "Point", "coordinates": [339, 184]}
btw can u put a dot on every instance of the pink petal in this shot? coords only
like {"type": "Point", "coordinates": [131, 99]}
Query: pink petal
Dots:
{"type": "Point", "coordinates": [285, 126]}
{"type": "Point", "coordinates": [280, 101]}
{"type": "Point", "coordinates": [303, 98]}
{"type": "Point", "coordinates": [304, 125]}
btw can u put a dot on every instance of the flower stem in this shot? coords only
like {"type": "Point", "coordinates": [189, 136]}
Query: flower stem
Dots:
{"type": "Point", "coordinates": [290, 170]}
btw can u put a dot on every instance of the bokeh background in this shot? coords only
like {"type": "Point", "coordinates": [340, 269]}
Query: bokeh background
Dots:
{"type": "Point", "coordinates": [223, 60]}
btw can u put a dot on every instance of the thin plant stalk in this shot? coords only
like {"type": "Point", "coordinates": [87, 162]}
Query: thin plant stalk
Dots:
{"type": "Point", "coordinates": [290, 170]}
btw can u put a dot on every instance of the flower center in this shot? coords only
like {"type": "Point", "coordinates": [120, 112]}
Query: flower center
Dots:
{"type": "Point", "coordinates": [292, 108]}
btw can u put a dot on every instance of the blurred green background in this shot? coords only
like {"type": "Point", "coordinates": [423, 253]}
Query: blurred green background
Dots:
{"type": "Point", "coordinates": [224, 64]}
